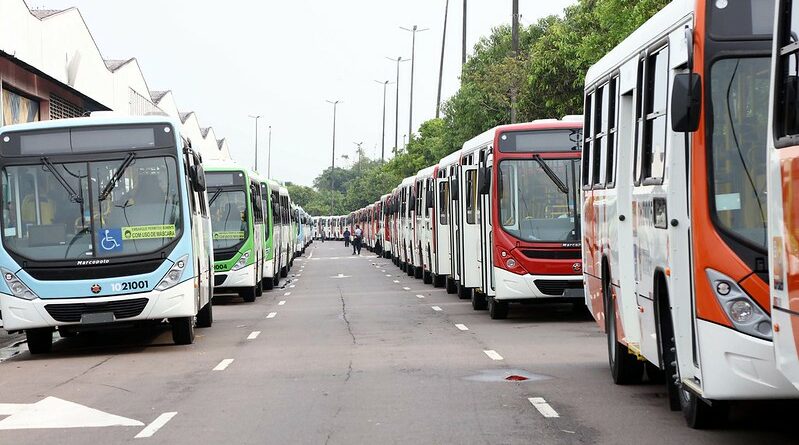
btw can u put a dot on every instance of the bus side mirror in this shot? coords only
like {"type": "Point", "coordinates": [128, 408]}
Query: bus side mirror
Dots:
{"type": "Point", "coordinates": [197, 176]}
{"type": "Point", "coordinates": [455, 189]}
{"type": "Point", "coordinates": [485, 181]}
{"type": "Point", "coordinates": [686, 102]}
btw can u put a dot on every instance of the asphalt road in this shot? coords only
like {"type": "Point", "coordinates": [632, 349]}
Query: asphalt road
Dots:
{"type": "Point", "coordinates": [351, 356]}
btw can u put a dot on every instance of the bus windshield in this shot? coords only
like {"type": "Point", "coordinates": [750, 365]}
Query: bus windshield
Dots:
{"type": "Point", "coordinates": [53, 211]}
{"type": "Point", "coordinates": [533, 206]}
{"type": "Point", "coordinates": [739, 91]}
{"type": "Point", "coordinates": [228, 217]}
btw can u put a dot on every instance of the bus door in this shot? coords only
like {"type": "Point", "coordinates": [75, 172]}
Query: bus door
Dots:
{"type": "Point", "coordinates": [442, 215]}
{"type": "Point", "coordinates": [484, 185]}
{"type": "Point", "coordinates": [455, 230]}
{"type": "Point", "coordinates": [470, 229]}
{"type": "Point", "coordinates": [201, 224]}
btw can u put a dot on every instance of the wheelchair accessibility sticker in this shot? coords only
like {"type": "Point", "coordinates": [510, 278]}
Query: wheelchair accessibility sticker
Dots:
{"type": "Point", "coordinates": [110, 240]}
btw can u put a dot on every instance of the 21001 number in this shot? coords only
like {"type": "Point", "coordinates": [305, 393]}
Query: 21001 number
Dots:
{"type": "Point", "coordinates": [130, 285]}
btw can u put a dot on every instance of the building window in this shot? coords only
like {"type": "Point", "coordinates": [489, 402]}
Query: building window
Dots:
{"type": "Point", "coordinates": [19, 109]}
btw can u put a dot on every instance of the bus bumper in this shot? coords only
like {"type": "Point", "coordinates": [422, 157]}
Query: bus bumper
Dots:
{"type": "Point", "coordinates": [19, 314]}
{"type": "Point", "coordinates": [736, 366]}
{"type": "Point", "coordinates": [244, 277]}
{"type": "Point", "coordinates": [510, 286]}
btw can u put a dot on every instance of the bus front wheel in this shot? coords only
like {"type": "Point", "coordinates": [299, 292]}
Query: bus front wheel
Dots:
{"type": "Point", "coordinates": [269, 283]}
{"type": "Point", "coordinates": [40, 340]}
{"type": "Point", "coordinates": [205, 318]}
{"type": "Point", "coordinates": [452, 287]}
{"type": "Point", "coordinates": [248, 295]}
{"type": "Point", "coordinates": [497, 310]}
{"type": "Point", "coordinates": [182, 330]}
{"type": "Point", "coordinates": [479, 301]}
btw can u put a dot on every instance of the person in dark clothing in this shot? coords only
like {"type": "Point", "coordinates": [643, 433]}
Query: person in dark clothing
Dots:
{"type": "Point", "coordinates": [356, 242]}
{"type": "Point", "coordinates": [347, 237]}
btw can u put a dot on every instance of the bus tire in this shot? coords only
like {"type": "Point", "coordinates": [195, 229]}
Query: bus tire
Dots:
{"type": "Point", "coordinates": [418, 272]}
{"type": "Point", "coordinates": [497, 310]}
{"type": "Point", "coordinates": [438, 280]}
{"type": "Point", "coordinates": [276, 280]}
{"type": "Point", "coordinates": [428, 277]}
{"type": "Point", "coordinates": [259, 289]}
{"type": "Point", "coordinates": [464, 293]}
{"type": "Point", "coordinates": [40, 340]}
{"type": "Point", "coordinates": [248, 295]}
{"type": "Point", "coordinates": [479, 301]}
{"type": "Point", "coordinates": [625, 368]}
{"type": "Point", "coordinates": [410, 270]}
{"type": "Point", "coordinates": [268, 283]}
{"type": "Point", "coordinates": [182, 330]}
{"type": "Point", "coordinates": [451, 285]}
{"type": "Point", "coordinates": [205, 318]}
{"type": "Point", "coordinates": [284, 272]}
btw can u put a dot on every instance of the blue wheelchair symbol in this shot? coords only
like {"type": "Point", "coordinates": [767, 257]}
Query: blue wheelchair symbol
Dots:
{"type": "Point", "coordinates": [110, 240]}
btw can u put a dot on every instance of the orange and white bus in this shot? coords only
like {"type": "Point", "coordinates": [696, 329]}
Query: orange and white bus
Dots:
{"type": "Point", "coordinates": [675, 248]}
{"type": "Point", "coordinates": [783, 190]}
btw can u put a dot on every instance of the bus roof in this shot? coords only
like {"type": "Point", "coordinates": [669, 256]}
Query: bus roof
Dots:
{"type": "Point", "coordinates": [450, 159]}
{"type": "Point", "coordinates": [91, 121]}
{"type": "Point", "coordinates": [647, 34]}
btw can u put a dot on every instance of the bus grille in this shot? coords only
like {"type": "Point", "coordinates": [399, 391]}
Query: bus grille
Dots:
{"type": "Point", "coordinates": [556, 287]}
{"type": "Point", "coordinates": [72, 312]}
{"type": "Point", "coordinates": [219, 279]}
{"type": "Point", "coordinates": [553, 254]}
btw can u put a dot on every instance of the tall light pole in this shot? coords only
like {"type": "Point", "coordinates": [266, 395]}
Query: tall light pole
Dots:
{"type": "Point", "coordinates": [441, 63]}
{"type": "Point", "coordinates": [515, 46]}
{"type": "Point", "coordinates": [463, 38]}
{"type": "Point", "coordinates": [396, 117]}
{"type": "Point", "coordinates": [333, 163]}
{"type": "Point", "coordinates": [413, 31]}
{"type": "Point", "coordinates": [383, 139]}
{"type": "Point", "coordinates": [269, 156]}
{"type": "Point", "coordinates": [255, 167]}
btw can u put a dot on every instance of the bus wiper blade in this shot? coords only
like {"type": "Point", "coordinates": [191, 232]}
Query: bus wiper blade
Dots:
{"type": "Point", "coordinates": [73, 195]}
{"type": "Point", "coordinates": [561, 186]}
{"type": "Point", "coordinates": [117, 176]}
{"type": "Point", "coordinates": [216, 195]}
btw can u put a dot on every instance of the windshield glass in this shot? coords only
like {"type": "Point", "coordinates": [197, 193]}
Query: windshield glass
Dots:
{"type": "Point", "coordinates": [228, 217]}
{"type": "Point", "coordinates": [48, 214]}
{"type": "Point", "coordinates": [740, 91]}
{"type": "Point", "coordinates": [532, 206]}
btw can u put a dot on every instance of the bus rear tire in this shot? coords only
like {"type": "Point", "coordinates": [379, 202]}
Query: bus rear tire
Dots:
{"type": "Point", "coordinates": [479, 301]}
{"type": "Point", "coordinates": [451, 285]}
{"type": "Point", "coordinates": [276, 280]}
{"type": "Point", "coordinates": [259, 289]}
{"type": "Point", "coordinates": [248, 295]}
{"type": "Point", "coordinates": [464, 293]}
{"type": "Point", "coordinates": [427, 278]}
{"type": "Point", "coordinates": [418, 272]}
{"type": "Point", "coordinates": [205, 318]}
{"type": "Point", "coordinates": [40, 340]}
{"type": "Point", "coordinates": [182, 330]}
{"type": "Point", "coordinates": [497, 310]}
{"type": "Point", "coordinates": [410, 270]}
{"type": "Point", "coordinates": [625, 368]}
{"type": "Point", "coordinates": [284, 272]}
{"type": "Point", "coordinates": [438, 280]}
{"type": "Point", "coordinates": [268, 283]}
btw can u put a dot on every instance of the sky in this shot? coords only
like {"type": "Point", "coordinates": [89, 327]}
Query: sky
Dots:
{"type": "Point", "coordinates": [226, 60]}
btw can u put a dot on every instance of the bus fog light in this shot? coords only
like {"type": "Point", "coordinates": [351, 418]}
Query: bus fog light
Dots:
{"type": "Point", "coordinates": [723, 288]}
{"type": "Point", "coordinates": [741, 311]}
{"type": "Point", "coordinates": [17, 287]}
{"type": "Point", "coordinates": [511, 263]}
{"type": "Point", "coordinates": [764, 328]}
{"type": "Point", "coordinates": [174, 275]}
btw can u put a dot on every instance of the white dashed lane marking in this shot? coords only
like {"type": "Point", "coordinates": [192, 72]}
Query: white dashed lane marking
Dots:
{"type": "Point", "coordinates": [287, 294]}
{"type": "Point", "coordinates": [436, 308]}
{"type": "Point", "coordinates": [493, 355]}
{"type": "Point", "coordinates": [396, 281]}
{"type": "Point", "coordinates": [282, 302]}
{"type": "Point", "coordinates": [543, 407]}
{"type": "Point", "coordinates": [272, 315]}
{"type": "Point", "coordinates": [462, 327]}
{"type": "Point", "coordinates": [156, 425]}
{"type": "Point", "coordinates": [420, 296]}
{"type": "Point", "coordinates": [292, 286]}
{"type": "Point", "coordinates": [253, 335]}
{"type": "Point", "coordinates": [406, 288]}
{"type": "Point", "coordinates": [223, 364]}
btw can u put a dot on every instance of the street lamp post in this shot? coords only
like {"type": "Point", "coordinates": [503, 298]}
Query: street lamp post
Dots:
{"type": "Point", "coordinates": [333, 163]}
{"type": "Point", "coordinates": [413, 31]}
{"type": "Point", "coordinates": [441, 62]}
{"type": "Point", "coordinates": [396, 117]}
{"type": "Point", "coordinates": [383, 139]}
{"type": "Point", "coordinates": [269, 156]}
{"type": "Point", "coordinates": [255, 168]}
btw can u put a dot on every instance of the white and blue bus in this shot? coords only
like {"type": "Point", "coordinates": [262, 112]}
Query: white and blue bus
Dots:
{"type": "Point", "coordinates": [104, 224]}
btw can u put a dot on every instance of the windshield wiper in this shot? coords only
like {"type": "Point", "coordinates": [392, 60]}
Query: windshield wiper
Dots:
{"type": "Point", "coordinates": [216, 195]}
{"type": "Point", "coordinates": [73, 195]}
{"type": "Point", "coordinates": [554, 177]}
{"type": "Point", "coordinates": [117, 176]}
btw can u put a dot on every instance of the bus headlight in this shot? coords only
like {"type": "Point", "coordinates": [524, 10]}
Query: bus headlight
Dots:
{"type": "Point", "coordinates": [242, 262]}
{"type": "Point", "coordinates": [742, 311]}
{"type": "Point", "coordinates": [17, 287]}
{"type": "Point", "coordinates": [174, 274]}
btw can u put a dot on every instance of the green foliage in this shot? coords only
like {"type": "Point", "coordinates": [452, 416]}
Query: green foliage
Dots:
{"type": "Point", "coordinates": [546, 77]}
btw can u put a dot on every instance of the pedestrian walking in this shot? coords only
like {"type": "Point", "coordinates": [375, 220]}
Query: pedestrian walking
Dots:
{"type": "Point", "coordinates": [356, 242]}
{"type": "Point", "coordinates": [347, 237]}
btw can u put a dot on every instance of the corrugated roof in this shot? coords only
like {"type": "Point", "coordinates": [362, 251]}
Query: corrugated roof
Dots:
{"type": "Point", "coordinates": [158, 95]}
{"type": "Point", "coordinates": [184, 116]}
{"type": "Point", "coordinates": [44, 13]}
{"type": "Point", "coordinates": [220, 143]}
{"type": "Point", "coordinates": [205, 131]}
{"type": "Point", "coordinates": [114, 65]}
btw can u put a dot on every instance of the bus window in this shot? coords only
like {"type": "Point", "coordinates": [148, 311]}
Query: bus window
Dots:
{"type": "Point", "coordinates": [589, 138]}
{"type": "Point", "coordinates": [610, 146]}
{"type": "Point", "coordinates": [443, 203]}
{"type": "Point", "coordinates": [229, 218]}
{"type": "Point", "coordinates": [471, 196]}
{"type": "Point", "coordinates": [739, 89]}
{"type": "Point", "coordinates": [600, 120]}
{"type": "Point", "coordinates": [786, 115]}
{"type": "Point", "coordinates": [654, 148]}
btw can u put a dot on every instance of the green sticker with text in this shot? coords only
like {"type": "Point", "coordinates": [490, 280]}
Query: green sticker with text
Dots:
{"type": "Point", "coordinates": [148, 232]}
{"type": "Point", "coordinates": [228, 235]}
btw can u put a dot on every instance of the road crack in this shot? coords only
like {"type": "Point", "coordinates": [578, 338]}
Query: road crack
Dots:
{"type": "Point", "coordinates": [346, 320]}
